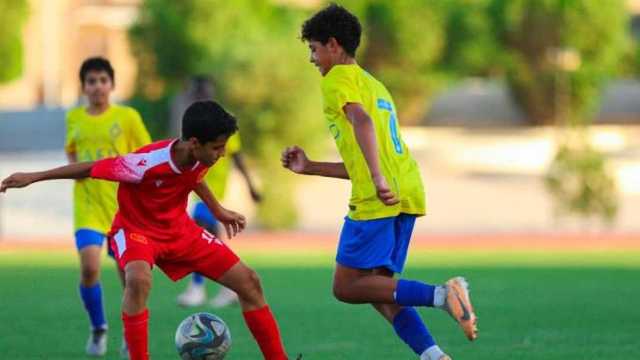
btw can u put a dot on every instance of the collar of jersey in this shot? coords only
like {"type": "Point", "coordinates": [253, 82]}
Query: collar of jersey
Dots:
{"type": "Point", "coordinates": [173, 166]}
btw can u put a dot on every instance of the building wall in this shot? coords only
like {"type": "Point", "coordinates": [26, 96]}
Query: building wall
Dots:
{"type": "Point", "coordinates": [58, 36]}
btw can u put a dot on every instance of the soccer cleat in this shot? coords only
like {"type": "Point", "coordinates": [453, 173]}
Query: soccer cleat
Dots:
{"type": "Point", "coordinates": [444, 357]}
{"type": "Point", "coordinates": [224, 298]}
{"type": "Point", "coordinates": [194, 295]}
{"type": "Point", "coordinates": [299, 357]}
{"type": "Point", "coordinates": [458, 305]}
{"type": "Point", "coordinates": [124, 349]}
{"type": "Point", "coordinates": [97, 343]}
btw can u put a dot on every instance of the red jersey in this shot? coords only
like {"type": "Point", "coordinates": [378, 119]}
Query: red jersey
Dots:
{"type": "Point", "coordinates": [153, 192]}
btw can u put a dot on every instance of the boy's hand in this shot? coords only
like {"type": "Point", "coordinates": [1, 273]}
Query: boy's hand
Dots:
{"type": "Point", "coordinates": [17, 180]}
{"type": "Point", "coordinates": [294, 159]}
{"type": "Point", "coordinates": [384, 191]}
{"type": "Point", "coordinates": [232, 221]}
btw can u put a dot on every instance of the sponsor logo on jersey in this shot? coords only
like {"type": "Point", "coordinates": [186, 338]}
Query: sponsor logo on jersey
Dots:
{"type": "Point", "coordinates": [139, 238]}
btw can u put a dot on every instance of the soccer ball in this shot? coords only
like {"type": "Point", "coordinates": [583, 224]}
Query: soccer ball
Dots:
{"type": "Point", "coordinates": [202, 336]}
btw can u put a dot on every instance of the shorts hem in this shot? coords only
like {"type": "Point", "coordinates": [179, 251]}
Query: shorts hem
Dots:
{"type": "Point", "coordinates": [367, 266]}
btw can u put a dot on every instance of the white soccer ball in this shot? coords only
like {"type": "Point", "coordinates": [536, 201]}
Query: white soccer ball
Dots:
{"type": "Point", "coordinates": [203, 336]}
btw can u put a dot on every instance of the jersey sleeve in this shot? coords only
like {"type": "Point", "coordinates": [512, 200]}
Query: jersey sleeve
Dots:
{"type": "Point", "coordinates": [129, 168]}
{"type": "Point", "coordinates": [340, 89]}
{"type": "Point", "coordinates": [138, 134]}
{"type": "Point", "coordinates": [233, 144]}
{"type": "Point", "coordinates": [70, 133]}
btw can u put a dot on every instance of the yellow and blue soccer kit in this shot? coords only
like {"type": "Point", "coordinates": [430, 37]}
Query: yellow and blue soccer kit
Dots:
{"type": "Point", "coordinates": [374, 234]}
{"type": "Point", "coordinates": [117, 131]}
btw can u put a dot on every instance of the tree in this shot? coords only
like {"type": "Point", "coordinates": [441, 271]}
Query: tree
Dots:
{"type": "Point", "coordinates": [548, 43]}
{"type": "Point", "coordinates": [13, 15]}
{"type": "Point", "coordinates": [558, 54]}
{"type": "Point", "coordinates": [402, 45]}
{"type": "Point", "coordinates": [262, 74]}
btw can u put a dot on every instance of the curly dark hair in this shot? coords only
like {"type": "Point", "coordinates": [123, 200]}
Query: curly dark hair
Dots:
{"type": "Point", "coordinates": [334, 21]}
{"type": "Point", "coordinates": [207, 121]}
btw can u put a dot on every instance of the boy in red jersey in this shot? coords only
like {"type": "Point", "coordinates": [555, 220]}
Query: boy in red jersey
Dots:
{"type": "Point", "coordinates": [152, 226]}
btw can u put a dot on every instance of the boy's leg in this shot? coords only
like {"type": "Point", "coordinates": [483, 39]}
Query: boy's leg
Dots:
{"type": "Point", "coordinates": [378, 243]}
{"type": "Point", "coordinates": [257, 314]}
{"type": "Point", "coordinates": [358, 286]}
{"type": "Point", "coordinates": [135, 315]}
{"type": "Point", "coordinates": [213, 259]}
{"type": "Point", "coordinates": [409, 326]}
{"type": "Point", "coordinates": [124, 349]}
{"type": "Point", "coordinates": [373, 244]}
{"type": "Point", "coordinates": [89, 245]}
{"type": "Point", "coordinates": [136, 257]}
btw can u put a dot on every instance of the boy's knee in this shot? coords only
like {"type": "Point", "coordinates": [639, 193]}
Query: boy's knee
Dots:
{"type": "Point", "coordinates": [138, 282]}
{"type": "Point", "coordinates": [251, 286]}
{"type": "Point", "coordinates": [341, 292]}
{"type": "Point", "coordinates": [90, 273]}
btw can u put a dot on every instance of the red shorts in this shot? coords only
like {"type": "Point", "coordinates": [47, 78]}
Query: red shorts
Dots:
{"type": "Point", "coordinates": [198, 251]}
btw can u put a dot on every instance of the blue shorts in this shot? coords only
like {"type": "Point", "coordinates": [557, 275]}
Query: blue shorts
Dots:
{"type": "Point", "coordinates": [86, 237]}
{"type": "Point", "coordinates": [203, 216]}
{"type": "Point", "coordinates": [370, 244]}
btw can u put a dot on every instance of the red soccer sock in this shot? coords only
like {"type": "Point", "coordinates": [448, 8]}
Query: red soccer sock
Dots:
{"type": "Point", "coordinates": [136, 333]}
{"type": "Point", "coordinates": [264, 328]}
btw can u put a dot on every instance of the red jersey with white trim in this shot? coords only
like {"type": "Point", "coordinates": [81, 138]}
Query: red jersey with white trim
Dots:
{"type": "Point", "coordinates": [153, 192]}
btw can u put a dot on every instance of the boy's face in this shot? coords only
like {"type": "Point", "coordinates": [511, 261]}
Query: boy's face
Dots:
{"type": "Point", "coordinates": [322, 56]}
{"type": "Point", "coordinates": [97, 86]}
{"type": "Point", "coordinates": [211, 151]}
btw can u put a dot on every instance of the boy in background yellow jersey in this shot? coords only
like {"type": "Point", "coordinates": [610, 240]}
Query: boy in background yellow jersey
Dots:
{"type": "Point", "coordinates": [387, 191]}
{"type": "Point", "coordinates": [94, 132]}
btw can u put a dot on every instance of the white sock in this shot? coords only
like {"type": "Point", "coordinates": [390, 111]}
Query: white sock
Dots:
{"type": "Point", "coordinates": [439, 296]}
{"type": "Point", "coordinates": [432, 353]}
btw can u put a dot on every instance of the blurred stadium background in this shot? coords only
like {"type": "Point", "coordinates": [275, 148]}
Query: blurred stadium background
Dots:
{"type": "Point", "coordinates": [524, 116]}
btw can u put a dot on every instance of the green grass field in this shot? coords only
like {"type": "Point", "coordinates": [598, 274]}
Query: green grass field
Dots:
{"type": "Point", "coordinates": [531, 306]}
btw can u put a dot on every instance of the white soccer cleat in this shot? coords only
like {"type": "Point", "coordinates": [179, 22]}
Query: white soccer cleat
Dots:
{"type": "Point", "coordinates": [124, 349]}
{"type": "Point", "coordinates": [194, 295]}
{"type": "Point", "coordinates": [97, 343]}
{"type": "Point", "coordinates": [434, 353]}
{"type": "Point", "coordinates": [224, 298]}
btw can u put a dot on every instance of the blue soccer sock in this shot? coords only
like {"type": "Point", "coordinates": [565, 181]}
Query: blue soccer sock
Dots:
{"type": "Point", "coordinates": [92, 299]}
{"type": "Point", "coordinates": [414, 293]}
{"type": "Point", "coordinates": [412, 330]}
{"type": "Point", "coordinates": [197, 279]}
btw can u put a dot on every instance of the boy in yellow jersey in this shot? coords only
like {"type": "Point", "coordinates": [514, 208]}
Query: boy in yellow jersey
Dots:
{"type": "Point", "coordinates": [387, 192]}
{"type": "Point", "coordinates": [217, 179]}
{"type": "Point", "coordinates": [96, 131]}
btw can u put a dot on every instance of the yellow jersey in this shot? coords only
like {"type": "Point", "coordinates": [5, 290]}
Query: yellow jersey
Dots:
{"type": "Point", "coordinates": [345, 84]}
{"type": "Point", "coordinates": [218, 175]}
{"type": "Point", "coordinates": [117, 131]}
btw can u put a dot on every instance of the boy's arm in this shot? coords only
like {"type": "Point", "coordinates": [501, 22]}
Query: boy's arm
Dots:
{"type": "Point", "coordinates": [233, 222]}
{"type": "Point", "coordinates": [294, 159]}
{"type": "Point", "coordinates": [128, 168]}
{"type": "Point", "coordinates": [72, 171]}
{"type": "Point", "coordinates": [366, 137]}
{"type": "Point", "coordinates": [238, 161]}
